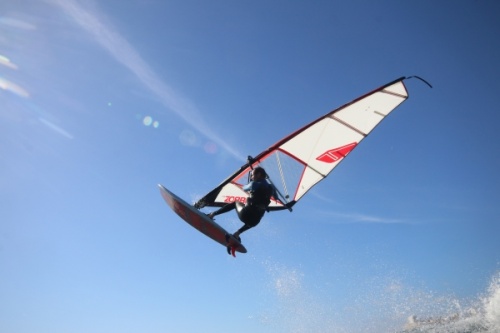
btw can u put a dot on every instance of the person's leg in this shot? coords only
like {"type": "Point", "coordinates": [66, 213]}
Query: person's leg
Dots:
{"type": "Point", "coordinates": [222, 210]}
{"type": "Point", "coordinates": [250, 216]}
{"type": "Point", "coordinates": [241, 230]}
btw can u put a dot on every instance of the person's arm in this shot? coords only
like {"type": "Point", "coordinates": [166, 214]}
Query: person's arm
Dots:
{"type": "Point", "coordinates": [248, 187]}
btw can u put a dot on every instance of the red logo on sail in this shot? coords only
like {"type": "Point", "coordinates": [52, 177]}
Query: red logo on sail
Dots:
{"type": "Point", "coordinates": [336, 154]}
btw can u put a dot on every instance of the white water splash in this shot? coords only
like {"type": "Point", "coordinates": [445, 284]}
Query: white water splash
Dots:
{"type": "Point", "coordinates": [492, 305]}
{"type": "Point", "coordinates": [388, 305]}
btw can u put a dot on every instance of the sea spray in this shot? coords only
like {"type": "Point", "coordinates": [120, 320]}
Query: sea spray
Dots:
{"type": "Point", "coordinates": [481, 315]}
{"type": "Point", "coordinates": [492, 305]}
{"type": "Point", "coordinates": [381, 304]}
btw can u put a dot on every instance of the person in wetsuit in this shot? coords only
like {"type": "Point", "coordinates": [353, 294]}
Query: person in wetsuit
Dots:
{"type": "Point", "coordinates": [260, 193]}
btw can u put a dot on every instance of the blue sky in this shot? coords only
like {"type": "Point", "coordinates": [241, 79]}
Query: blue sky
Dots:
{"type": "Point", "coordinates": [100, 101]}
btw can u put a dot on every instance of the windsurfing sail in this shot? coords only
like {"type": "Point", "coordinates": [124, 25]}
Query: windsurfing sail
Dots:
{"type": "Point", "coordinates": [305, 157]}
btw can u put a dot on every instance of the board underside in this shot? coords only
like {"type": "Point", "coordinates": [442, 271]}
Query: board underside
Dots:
{"type": "Point", "coordinates": [199, 220]}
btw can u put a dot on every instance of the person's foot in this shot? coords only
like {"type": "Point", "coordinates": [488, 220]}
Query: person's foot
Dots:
{"type": "Point", "coordinates": [234, 235]}
{"type": "Point", "coordinates": [210, 215]}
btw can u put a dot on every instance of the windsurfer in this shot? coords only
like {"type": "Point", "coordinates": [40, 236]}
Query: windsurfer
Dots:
{"type": "Point", "coordinates": [260, 193]}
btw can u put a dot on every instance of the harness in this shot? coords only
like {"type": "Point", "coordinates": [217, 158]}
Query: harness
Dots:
{"type": "Point", "coordinates": [261, 197]}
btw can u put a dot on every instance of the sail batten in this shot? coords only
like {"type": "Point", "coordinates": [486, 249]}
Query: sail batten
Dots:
{"type": "Point", "coordinates": [349, 125]}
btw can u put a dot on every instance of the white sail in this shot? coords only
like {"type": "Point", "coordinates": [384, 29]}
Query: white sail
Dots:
{"type": "Point", "coordinates": [299, 161]}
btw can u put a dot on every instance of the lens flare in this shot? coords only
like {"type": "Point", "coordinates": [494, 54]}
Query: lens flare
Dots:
{"type": "Point", "coordinates": [7, 63]}
{"type": "Point", "coordinates": [147, 121]}
{"type": "Point", "coordinates": [210, 147]}
{"type": "Point", "coordinates": [14, 88]}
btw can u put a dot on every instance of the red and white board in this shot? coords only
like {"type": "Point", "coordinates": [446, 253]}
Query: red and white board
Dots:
{"type": "Point", "coordinates": [200, 221]}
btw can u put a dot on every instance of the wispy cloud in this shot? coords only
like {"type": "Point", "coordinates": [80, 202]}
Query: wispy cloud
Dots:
{"type": "Point", "coordinates": [352, 217]}
{"type": "Point", "coordinates": [91, 20]}
{"type": "Point", "coordinates": [15, 23]}
{"type": "Point", "coordinates": [321, 197]}
{"type": "Point", "coordinates": [362, 218]}
{"type": "Point", "coordinates": [55, 128]}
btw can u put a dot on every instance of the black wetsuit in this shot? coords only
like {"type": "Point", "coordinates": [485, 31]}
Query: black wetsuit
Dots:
{"type": "Point", "coordinates": [252, 212]}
